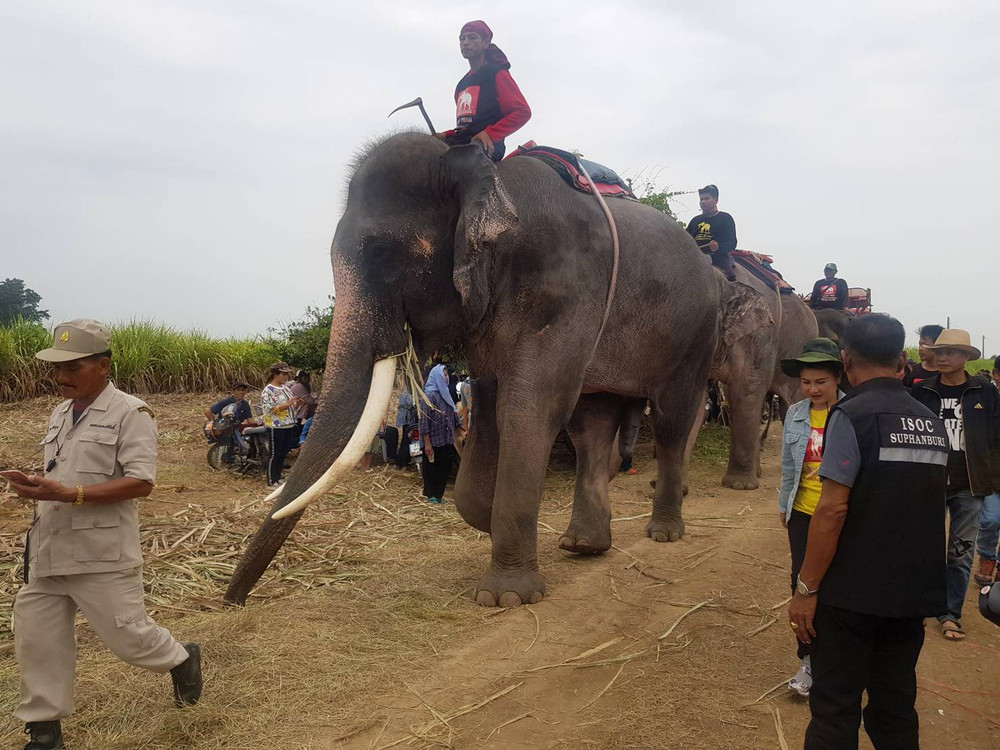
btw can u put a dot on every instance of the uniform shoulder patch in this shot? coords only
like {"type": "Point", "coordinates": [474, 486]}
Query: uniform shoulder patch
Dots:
{"type": "Point", "coordinates": [147, 410]}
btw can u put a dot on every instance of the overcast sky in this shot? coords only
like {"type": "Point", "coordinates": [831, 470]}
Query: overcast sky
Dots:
{"type": "Point", "coordinates": [184, 161]}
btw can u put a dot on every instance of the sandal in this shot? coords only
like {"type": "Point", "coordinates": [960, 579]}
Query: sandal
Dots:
{"type": "Point", "coordinates": [952, 631]}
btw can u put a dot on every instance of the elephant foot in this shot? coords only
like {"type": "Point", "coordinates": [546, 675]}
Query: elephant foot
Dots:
{"type": "Point", "coordinates": [586, 539]}
{"type": "Point", "coordinates": [740, 481]}
{"type": "Point", "coordinates": [510, 588]}
{"type": "Point", "coordinates": [665, 531]}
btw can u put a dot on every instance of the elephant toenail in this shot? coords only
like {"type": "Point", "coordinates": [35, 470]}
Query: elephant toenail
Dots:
{"type": "Point", "coordinates": [510, 599]}
{"type": "Point", "coordinates": [485, 598]}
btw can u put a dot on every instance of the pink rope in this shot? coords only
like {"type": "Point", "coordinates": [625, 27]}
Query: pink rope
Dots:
{"type": "Point", "coordinates": [614, 266]}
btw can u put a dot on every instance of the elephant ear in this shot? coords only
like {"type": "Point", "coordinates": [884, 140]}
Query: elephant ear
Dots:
{"type": "Point", "coordinates": [485, 212]}
{"type": "Point", "coordinates": [745, 312]}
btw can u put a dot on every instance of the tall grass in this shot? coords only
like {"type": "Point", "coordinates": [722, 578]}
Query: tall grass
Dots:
{"type": "Point", "coordinates": [147, 357]}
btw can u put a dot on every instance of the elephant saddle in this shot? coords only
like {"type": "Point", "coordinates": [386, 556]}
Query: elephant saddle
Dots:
{"type": "Point", "coordinates": [759, 265]}
{"type": "Point", "coordinates": [567, 166]}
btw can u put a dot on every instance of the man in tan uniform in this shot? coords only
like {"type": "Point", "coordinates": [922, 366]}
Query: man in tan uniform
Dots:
{"type": "Point", "coordinates": [83, 547]}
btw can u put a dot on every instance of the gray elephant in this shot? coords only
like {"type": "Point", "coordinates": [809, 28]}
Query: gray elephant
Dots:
{"type": "Point", "coordinates": [759, 328]}
{"type": "Point", "coordinates": [832, 323]}
{"type": "Point", "coordinates": [523, 263]}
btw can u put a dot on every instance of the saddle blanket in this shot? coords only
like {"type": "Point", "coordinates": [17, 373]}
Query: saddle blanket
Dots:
{"type": "Point", "coordinates": [759, 265]}
{"type": "Point", "coordinates": [567, 166]}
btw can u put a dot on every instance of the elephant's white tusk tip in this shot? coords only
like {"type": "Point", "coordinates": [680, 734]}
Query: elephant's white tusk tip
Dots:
{"type": "Point", "coordinates": [274, 494]}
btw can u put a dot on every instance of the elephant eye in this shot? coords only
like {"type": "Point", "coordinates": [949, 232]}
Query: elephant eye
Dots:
{"type": "Point", "coordinates": [381, 259]}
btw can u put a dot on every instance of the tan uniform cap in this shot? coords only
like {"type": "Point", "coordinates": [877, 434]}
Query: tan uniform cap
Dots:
{"type": "Point", "coordinates": [77, 339]}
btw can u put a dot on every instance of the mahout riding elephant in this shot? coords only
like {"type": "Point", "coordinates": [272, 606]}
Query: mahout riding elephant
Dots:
{"type": "Point", "coordinates": [444, 246]}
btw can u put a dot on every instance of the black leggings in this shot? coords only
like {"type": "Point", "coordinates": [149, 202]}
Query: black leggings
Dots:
{"type": "Point", "coordinates": [798, 535]}
{"type": "Point", "coordinates": [403, 452]}
{"type": "Point", "coordinates": [280, 441]}
{"type": "Point", "coordinates": [436, 473]}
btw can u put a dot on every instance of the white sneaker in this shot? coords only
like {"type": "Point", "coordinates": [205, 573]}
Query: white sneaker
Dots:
{"type": "Point", "coordinates": [802, 682]}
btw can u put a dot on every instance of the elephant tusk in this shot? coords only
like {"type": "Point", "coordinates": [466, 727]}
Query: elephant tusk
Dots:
{"type": "Point", "coordinates": [273, 495]}
{"type": "Point", "coordinates": [372, 416]}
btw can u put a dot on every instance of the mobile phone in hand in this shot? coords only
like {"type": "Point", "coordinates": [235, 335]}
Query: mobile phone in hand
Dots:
{"type": "Point", "coordinates": [16, 477]}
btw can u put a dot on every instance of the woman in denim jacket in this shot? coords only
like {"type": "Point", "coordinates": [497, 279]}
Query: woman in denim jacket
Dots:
{"type": "Point", "coordinates": [819, 369]}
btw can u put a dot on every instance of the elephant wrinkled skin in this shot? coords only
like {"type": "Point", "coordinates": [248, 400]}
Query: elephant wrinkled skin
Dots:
{"type": "Point", "coordinates": [514, 265]}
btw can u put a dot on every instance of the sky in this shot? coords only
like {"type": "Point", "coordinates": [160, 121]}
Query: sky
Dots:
{"type": "Point", "coordinates": [185, 161]}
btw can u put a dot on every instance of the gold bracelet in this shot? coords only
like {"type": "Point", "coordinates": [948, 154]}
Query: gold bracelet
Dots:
{"type": "Point", "coordinates": [79, 495]}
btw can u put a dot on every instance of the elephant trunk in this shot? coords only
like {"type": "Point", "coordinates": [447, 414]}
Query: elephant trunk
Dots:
{"type": "Point", "coordinates": [343, 428]}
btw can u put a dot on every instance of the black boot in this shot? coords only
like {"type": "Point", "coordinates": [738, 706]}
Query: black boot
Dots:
{"type": "Point", "coordinates": [45, 735]}
{"type": "Point", "coordinates": [187, 677]}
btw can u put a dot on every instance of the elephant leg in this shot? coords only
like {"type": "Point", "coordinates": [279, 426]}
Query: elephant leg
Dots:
{"type": "Point", "coordinates": [528, 421]}
{"type": "Point", "coordinates": [592, 427]}
{"type": "Point", "coordinates": [477, 474]}
{"type": "Point", "coordinates": [674, 415]}
{"type": "Point", "coordinates": [744, 452]}
{"type": "Point", "coordinates": [615, 457]}
{"type": "Point", "coordinates": [628, 432]}
{"type": "Point", "coordinates": [699, 420]}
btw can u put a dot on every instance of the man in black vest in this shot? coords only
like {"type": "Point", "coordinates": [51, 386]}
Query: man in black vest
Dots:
{"type": "Point", "coordinates": [875, 561]}
{"type": "Point", "coordinates": [489, 105]}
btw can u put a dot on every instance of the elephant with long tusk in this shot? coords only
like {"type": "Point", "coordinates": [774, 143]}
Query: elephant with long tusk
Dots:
{"type": "Point", "coordinates": [379, 395]}
{"type": "Point", "coordinates": [515, 265]}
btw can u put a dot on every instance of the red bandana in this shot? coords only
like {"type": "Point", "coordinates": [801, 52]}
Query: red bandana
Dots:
{"type": "Point", "coordinates": [493, 53]}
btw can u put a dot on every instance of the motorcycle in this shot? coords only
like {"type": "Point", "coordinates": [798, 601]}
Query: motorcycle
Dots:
{"type": "Point", "coordinates": [242, 452]}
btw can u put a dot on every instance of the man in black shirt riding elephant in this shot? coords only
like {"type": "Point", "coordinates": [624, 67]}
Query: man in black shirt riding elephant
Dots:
{"type": "Point", "coordinates": [714, 231]}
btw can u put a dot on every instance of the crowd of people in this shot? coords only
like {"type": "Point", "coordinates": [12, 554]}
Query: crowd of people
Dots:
{"type": "Point", "coordinates": [868, 479]}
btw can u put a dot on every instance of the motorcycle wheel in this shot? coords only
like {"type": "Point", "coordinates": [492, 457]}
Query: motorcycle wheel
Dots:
{"type": "Point", "coordinates": [216, 453]}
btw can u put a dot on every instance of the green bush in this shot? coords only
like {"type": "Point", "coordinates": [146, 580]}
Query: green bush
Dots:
{"type": "Point", "coordinates": [303, 343]}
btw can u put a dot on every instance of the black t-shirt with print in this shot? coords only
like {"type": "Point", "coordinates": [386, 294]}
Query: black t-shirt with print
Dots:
{"type": "Point", "coordinates": [833, 295]}
{"type": "Point", "coordinates": [951, 413]}
{"type": "Point", "coordinates": [721, 227]}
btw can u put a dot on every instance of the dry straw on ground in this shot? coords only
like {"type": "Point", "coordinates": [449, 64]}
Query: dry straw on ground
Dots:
{"type": "Point", "coordinates": [367, 618]}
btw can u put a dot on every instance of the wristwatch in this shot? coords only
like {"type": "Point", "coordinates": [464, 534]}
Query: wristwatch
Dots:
{"type": "Point", "coordinates": [802, 589]}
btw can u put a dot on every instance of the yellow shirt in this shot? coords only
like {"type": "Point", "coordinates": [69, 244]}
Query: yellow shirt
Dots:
{"type": "Point", "coordinates": [810, 486]}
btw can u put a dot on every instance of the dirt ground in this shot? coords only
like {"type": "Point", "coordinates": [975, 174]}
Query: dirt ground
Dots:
{"type": "Point", "coordinates": [363, 634]}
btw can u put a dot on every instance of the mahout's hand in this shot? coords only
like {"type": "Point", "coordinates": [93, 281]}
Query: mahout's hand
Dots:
{"type": "Point", "coordinates": [485, 141]}
{"type": "Point", "coordinates": [713, 246]}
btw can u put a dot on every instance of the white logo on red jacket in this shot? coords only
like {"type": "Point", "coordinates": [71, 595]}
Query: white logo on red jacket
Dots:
{"type": "Point", "coordinates": [468, 101]}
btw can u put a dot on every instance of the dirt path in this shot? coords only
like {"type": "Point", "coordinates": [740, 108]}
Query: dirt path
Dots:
{"type": "Point", "coordinates": [530, 683]}
{"type": "Point", "coordinates": [362, 635]}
